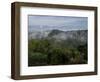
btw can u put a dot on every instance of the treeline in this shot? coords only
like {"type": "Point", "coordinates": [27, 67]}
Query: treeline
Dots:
{"type": "Point", "coordinates": [48, 52]}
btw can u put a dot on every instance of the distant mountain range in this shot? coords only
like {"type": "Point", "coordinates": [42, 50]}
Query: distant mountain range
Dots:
{"type": "Point", "coordinates": [80, 35]}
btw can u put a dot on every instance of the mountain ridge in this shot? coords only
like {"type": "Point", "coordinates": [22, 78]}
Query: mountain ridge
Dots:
{"type": "Point", "coordinates": [59, 35]}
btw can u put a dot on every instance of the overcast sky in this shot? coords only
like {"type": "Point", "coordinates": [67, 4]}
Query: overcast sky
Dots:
{"type": "Point", "coordinates": [38, 22]}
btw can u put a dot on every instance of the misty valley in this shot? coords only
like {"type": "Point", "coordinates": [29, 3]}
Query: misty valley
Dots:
{"type": "Point", "coordinates": [57, 47]}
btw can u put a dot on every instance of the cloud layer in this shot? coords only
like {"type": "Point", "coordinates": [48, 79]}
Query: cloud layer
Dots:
{"type": "Point", "coordinates": [44, 22]}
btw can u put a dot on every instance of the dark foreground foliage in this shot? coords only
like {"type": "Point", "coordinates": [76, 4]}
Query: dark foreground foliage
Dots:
{"type": "Point", "coordinates": [50, 52]}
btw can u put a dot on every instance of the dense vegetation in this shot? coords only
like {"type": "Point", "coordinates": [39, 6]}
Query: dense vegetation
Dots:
{"type": "Point", "coordinates": [50, 52]}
